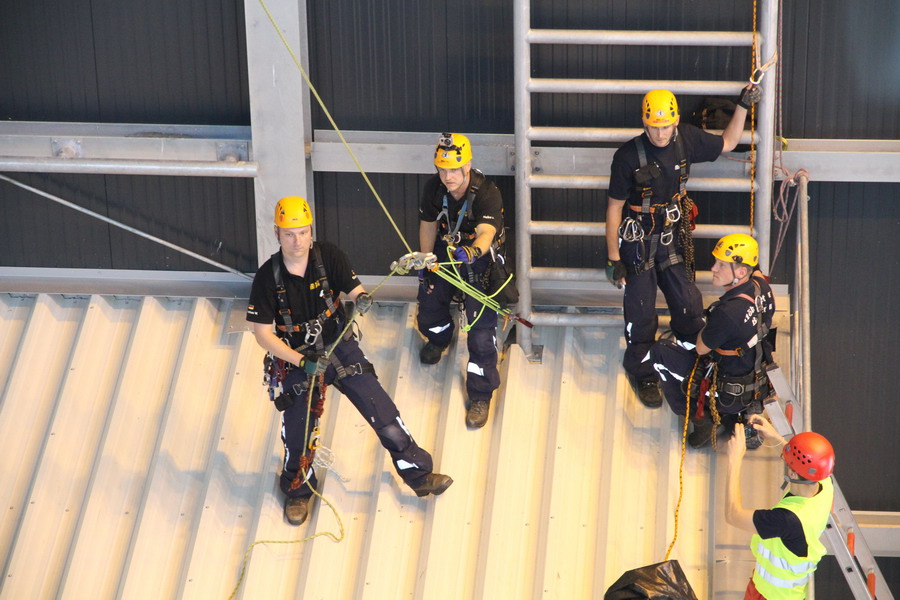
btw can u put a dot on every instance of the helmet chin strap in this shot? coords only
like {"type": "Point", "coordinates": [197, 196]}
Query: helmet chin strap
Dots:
{"type": "Point", "coordinates": [788, 479]}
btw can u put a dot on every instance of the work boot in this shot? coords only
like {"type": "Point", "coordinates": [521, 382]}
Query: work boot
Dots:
{"type": "Point", "coordinates": [477, 414]}
{"type": "Point", "coordinates": [647, 391]}
{"type": "Point", "coordinates": [296, 510]}
{"type": "Point", "coordinates": [703, 432]}
{"type": "Point", "coordinates": [433, 483]}
{"type": "Point", "coordinates": [431, 353]}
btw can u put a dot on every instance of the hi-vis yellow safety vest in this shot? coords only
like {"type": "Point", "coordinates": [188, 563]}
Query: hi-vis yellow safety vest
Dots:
{"type": "Point", "coordinates": [780, 574]}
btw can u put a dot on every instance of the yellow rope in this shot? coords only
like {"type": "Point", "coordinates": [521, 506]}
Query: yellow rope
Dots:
{"type": "Point", "coordinates": [684, 434]}
{"type": "Point", "coordinates": [315, 93]}
{"type": "Point", "coordinates": [754, 59]}
{"type": "Point", "coordinates": [337, 538]}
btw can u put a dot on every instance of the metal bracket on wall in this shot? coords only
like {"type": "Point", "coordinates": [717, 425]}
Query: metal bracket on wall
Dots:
{"type": "Point", "coordinates": [511, 159]}
{"type": "Point", "coordinates": [536, 160]}
{"type": "Point", "coordinates": [232, 151]}
{"type": "Point", "coordinates": [66, 148]}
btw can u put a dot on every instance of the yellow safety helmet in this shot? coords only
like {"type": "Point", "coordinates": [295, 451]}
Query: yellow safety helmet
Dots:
{"type": "Point", "coordinates": [453, 151]}
{"type": "Point", "coordinates": [738, 248]}
{"type": "Point", "coordinates": [292, 211]}
{"type": "Point", "coordinates": [660, 108]}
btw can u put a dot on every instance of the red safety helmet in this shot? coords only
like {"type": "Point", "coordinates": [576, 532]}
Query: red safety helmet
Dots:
{"type": "Point", "coordinates": [810, 456]}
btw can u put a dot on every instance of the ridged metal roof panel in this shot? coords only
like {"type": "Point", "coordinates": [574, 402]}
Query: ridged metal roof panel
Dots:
{"type": "Point", "coordinates": [141, 453]}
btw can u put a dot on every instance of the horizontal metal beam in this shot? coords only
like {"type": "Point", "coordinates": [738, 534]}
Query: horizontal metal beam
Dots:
{"type": "Point", "coordinates": [639, 38]}
{"type": "Point", "coordinates": [128, 167]}
{"type": "Point", "coordinates": [702, 184]}
{"type": "Point", "coordinates": [598, 134]}
{"type": "Point", "coordinates": [633, 86]}
{"type": "Point", "coordinates": [129, 149]}
{"type": "Point", "coordinates": [596, 275]}
{"type": "Point", "coordinates": [702, 231]}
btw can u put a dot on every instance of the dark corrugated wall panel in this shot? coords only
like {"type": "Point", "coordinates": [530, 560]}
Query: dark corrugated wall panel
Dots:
{"type": "Point", "coordinates": [124, 62]}
{"type": "Point", "coordinates": [413, 66]}
{"type": "Point", "coordinates": [855, 278]}
{"type": "Point", "coordinates": [208, 216]}
{"type": "Point", "coordinates": [842, 69]}
{"type": "Point", "coordinates": [114, 62]}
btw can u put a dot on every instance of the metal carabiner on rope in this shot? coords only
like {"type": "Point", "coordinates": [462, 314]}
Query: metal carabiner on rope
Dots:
{"type": "Point", "coordinates": [630, 230]}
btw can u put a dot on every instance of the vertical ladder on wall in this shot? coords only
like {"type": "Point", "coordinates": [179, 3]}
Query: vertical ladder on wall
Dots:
{"type": "Point", "coordinates": [528, 171]}
{"type": "Point", "coordinates": [842, 536]}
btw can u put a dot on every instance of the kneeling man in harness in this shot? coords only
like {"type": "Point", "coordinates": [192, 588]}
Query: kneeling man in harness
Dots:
{"type": "Point", "coordinates": [299, 289]}
{"type": "Point", "coordinates": [732, 353]}
{"type": "Point", "coordinates": [463, 210]}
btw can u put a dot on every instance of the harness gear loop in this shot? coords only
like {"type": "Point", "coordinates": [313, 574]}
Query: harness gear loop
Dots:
{"type": "Point", "coordinates": [630, 230]}
{"type": "Point", "coordinates": [673, 210]}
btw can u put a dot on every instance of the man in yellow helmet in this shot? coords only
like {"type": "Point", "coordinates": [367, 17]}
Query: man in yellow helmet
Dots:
{"type": "Point", "coordinates": [728, 361]}
{"type": "Point", "coordinates": [461, 210]}
{"type": "Point", "coordinates": [786, 539]}
{"type": "Point", "coordinates": [299, 290]}
{"type": "Point", "coordinates": [650, 244]}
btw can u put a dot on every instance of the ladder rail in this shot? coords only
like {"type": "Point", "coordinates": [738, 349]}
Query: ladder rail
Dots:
{"type": "Point", "coordinates": [524, 36]}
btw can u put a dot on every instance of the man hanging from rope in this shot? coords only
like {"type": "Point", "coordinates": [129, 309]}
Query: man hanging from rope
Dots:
{"type": "Point", "coordinates": [461, 210]}
{"type": "Point", "coordinates": [786, 539]}
{"type": "Point", "coordinates": [731, 355]}
{"type": "Point", "coordinates": [299, 288]}
{"type": "Point", "coordinates": [651, 245]}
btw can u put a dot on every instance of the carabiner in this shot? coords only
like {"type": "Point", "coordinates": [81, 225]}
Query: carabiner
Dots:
{"type": "Point", "coordinates": [666, 238]}
{"type": "Point", "coordinates": [313, 331]}
{"type": "Point", "coordinates": [630, 230]}
{"type": "Point", "coordinates": [673, 213]}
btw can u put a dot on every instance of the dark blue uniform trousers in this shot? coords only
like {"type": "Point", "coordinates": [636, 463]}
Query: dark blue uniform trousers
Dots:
{"type": "Point", "coordinates": [435, 323]}
{"type": "Point", "coordinates": [682, 297]}
{"type": "Point", "coordinates": [674, 363]}
{"type": "Point", "coordinates": [373, 403]}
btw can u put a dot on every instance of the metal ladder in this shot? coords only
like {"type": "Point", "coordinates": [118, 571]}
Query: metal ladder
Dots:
{"type": "Point", "coordinates": [843, 536]}
{"type": "Point", "coordinates": [528, 175]}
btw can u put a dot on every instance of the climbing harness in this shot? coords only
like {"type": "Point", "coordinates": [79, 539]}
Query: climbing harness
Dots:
{"type": "Point", "coordinates": [671, 212]}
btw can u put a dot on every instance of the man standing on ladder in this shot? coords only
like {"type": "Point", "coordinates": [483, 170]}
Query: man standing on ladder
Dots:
{"type": "Point", "coordinates": [651, 244]}
{"type": "Point", "coordinates": [732, 352]}
{"type": "Point", "coordinates": [786, 539]}
{"type": "Point", "coordinates": [461, 210]}
{"type": "Point", "coordinates": [299, 289]}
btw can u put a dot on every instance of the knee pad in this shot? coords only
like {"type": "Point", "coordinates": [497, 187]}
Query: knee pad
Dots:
{"type": "Point", "coordinates": [482, 342]}
{"type": "Point", "coordinates": [394, 436]}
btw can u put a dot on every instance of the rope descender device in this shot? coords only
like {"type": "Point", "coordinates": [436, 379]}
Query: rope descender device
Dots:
{"type": "Point", "coordinates": [415, 261]}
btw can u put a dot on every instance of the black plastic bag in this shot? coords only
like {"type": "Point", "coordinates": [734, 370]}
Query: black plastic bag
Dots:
{"type": "Point", "coordinates": [662, 581]}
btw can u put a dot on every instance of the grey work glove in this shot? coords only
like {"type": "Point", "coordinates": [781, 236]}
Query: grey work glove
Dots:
{"type": "Point", "coordinates": [363, 303]}
{"type": "Point", "coordinates": [615, 272]}
{"type": "Point", "coordinates": [750, 95]}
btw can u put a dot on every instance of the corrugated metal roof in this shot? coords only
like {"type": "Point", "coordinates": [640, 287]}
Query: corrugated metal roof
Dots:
{"type": "Point", "coordinates": [140, 460]}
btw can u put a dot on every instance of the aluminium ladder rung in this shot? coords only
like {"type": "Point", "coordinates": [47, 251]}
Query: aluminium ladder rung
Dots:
{"type": "Point", "coordinates": [697, 184]}
{"type": "Point", "coordinates": [588, 275]}
{"type": "Point", "coordinates": [633, 86]}
{"type": "Point", "coordinates": [702, 230]}
{"type": "Point", "coordinates": [612, 37]}
{"type": "Point", "coordinates": [598, 134]}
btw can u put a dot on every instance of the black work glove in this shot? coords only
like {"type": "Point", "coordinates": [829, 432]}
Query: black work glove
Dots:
{"type": "Point", "coordinates": [363, 303]}
{"type": "Point", "coordinates": [750, 95]}
{"type": "Point", "coordinates": [425, 280]}
{"type": "Point", "coordinates": [615, 272]}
